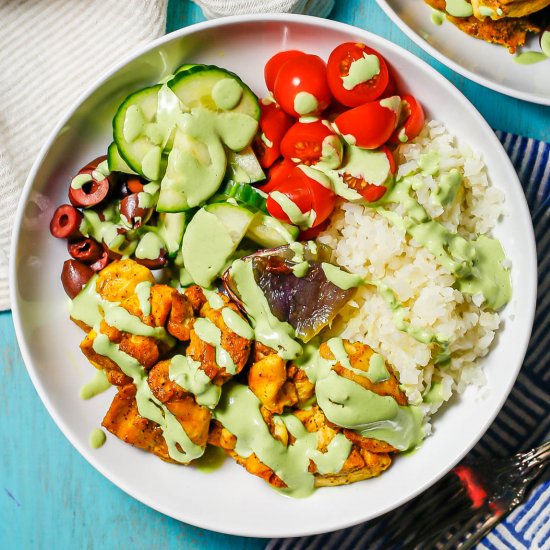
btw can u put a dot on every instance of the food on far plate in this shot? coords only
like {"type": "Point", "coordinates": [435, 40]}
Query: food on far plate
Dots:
{"type": "Point", "coordinates": [300, 281]}
{"type": "Point", "coordinates": [504, 22]}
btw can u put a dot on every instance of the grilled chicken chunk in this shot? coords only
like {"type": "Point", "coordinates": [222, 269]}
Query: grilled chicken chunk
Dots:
{"type": "Point", "coordinates": [510, 32]}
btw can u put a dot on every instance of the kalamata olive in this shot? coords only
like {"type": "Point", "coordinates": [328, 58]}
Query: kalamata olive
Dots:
{"type": "Point", "coordinates": [129, 184]}
{"type": "Point", "coordinates": [65, 222]}
{"type": "Point", "coordinates": [93, 191]}
{"type": "Point", "coordinates": [111, 254]}
{"type": "Point", "coordinates": [86, 250]}
{"type": "Point", "coordinates": [157, 263]}
{"type": "Point", "coordinates": [74, 277]}
{"type": "Point", "coordinates": [135, 214]}
{"type": "Point", "coordinates": [103, 261]}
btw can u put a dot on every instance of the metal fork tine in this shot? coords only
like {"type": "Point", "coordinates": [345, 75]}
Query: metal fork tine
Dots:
{"type": "Point", "coordinates": [463, 531]}
{"type": "Point", "coordinates": [434, 497]}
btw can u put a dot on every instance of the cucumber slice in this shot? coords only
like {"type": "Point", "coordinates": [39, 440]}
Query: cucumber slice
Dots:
{"type": "Point", "coordinates": [244, 194]}
{"type": "Point", "coordinates": [195, 169]}
{"type": "Point", "coordinates": [116, 162]}
{"type": "Point", "coordinates": [211, 238]}
{"type": "Point", "coordinates": [185, 67]}
{"type": "Point", "coordinates": [171, 228]}
{"type": "Point", "coordinates": [195, 85]}
{"type": "Point", "coordinates": [269, 232]}
{"type": "Point", "coordinates": [130, 124]}
{"type": "Point", "coordinates": [244, 166]}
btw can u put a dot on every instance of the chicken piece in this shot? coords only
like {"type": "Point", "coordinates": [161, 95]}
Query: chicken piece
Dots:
{"type": "Point", "coordinates": [267, 378]}
{"type": "Point", "coordinates": [196, 297]}
{"type": "Point", "coordinates": [237, 347]}
{"type": "Point", "coordinates": [124, 421]}
{"type": "Point", "coordinates": [360, 464]}
{"type": "Point", "coordinates": [194, 418]}
{"type": "Point", "coordinates": [304, 388]}
{"type": "Point", "coordinates": [118, 280]}
{"type": "Point", "coordinates": [261, 351]}
{"type": "Point", "coordinates": [112, 370]}
{"type": "Point", "coordinates": [359, 358]}
{"type": "Point", "coordinates": [220, 437]}
{"type": "Point", "coordinates": [509, 8]}
{"type": "Point", "coordinates": [509, 32]}
{"type": "Point", "coordinates": [144, 349]}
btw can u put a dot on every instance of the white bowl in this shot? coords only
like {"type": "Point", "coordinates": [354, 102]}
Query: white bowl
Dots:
{"type": "Point", "coordinates": [487, 64]}
{"type": "Point", "coordinates": [230, 500]}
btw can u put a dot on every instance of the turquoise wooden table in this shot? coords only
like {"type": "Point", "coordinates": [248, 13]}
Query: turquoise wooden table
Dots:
{"type": "Point", "coordinates": [50, 497]}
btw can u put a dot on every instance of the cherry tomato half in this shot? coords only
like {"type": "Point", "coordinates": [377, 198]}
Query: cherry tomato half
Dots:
{"type": "Point", "coordinates": [301, 86]}
{"type": "Point", "coordinates": [356, 74]}
{"type": "Point", "coordinates": [370, 125]}
{"type": "Point", "coordinates": [274, 123]}
{"type": "Point", "coordinates": [370, 191]}
{"type": "Point", "coordinates": [297, 190]}
{"type": "Point", "coordinates": [312, 142]}
{"type": "Point", "coordinates": [272, 67]}
{"type": "Point", "coordinates": [280, 171]}
{"type": "Point", "coordinates": [413, 116]}
{"type": "Point", "coordinates": [307, 193]}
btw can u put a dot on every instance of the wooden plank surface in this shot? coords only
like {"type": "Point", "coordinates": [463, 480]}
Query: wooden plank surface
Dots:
{"type": "Point", "coordinates": [50, 497]}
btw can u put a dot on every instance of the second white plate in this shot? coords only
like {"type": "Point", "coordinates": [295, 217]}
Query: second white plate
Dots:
{"type": "Point", "coordinates": [487, 64]}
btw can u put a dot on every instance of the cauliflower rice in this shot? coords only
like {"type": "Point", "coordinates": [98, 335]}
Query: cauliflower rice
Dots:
{"type": "Point", "coordinates": [368, 244]}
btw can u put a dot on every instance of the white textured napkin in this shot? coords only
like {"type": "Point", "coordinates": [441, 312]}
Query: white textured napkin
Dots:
{"type": "Point", "coordinates": [222, 8]}
{"type": "Point", "coordinates": [50, 52]}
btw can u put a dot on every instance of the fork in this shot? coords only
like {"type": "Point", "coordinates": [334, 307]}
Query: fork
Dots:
{"type": "Point", "coordinates": [460, 509]}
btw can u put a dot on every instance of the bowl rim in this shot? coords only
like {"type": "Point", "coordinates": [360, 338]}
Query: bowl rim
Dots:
{"type": "Point", "coordinates": [454, 65]}
{"type": "Point", "coordinates": [84, 451]}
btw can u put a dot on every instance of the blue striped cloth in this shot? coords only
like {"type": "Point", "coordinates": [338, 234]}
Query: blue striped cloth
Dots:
{"type": "Point", "coordinates": [524, 420]}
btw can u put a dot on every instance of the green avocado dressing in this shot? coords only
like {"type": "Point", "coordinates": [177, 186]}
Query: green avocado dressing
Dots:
{"type": "Point", "coordinates": [237, 324]}
{"type": "Point", "coordinates": [212, 459]}
{"type": "Point", "coordinates": [227, 93]}
{"type": "Point", "coordinates": [97, 438]}
{"type": "Point", "coordinates": [477, 264]}
{"type": "Point", "coordinates": [180, 446]}
{"type": "Point", "coordinates": [459, 8]}
{"type": "Point", "coordinates": [207, 331]}
{"type": "Point", "coordinates": [90, 308]}
{"type": "Point", "coordinates": [98, 384]}
{"type": "Point", "coordinates": [349, 405]}
{"type": "Point", "coordinates": [447, 188]}
{"type": "Point", "coordinates": [239, 412]}
{"type": "Point", "coordinates": [267, 328]}
{"type": "Point", "coordinates": [149, 246]}
{"type": "Point", "coordinates": [187, 373]}
{"type": "Point", "coordinates": [79, 180]}
{"type": "Point", "coordinates": [291, 209]}
{"type": "Point", "coordinates": [438, 17]}
{"type": "Point", "coordinates": [377, 369]}
{"type": "Point", "coordinates": [341, 278]}
{"type": "Point", "coordinates": [361, 70]}
{"type": "Point", "coordinates": [143, 293]}
{"type": "Point", "coordinates": [530, 58]}
{"type": "Point", "coordinates": [305, 103]}
{"type": "Point", "coordinates": [545, 43]}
